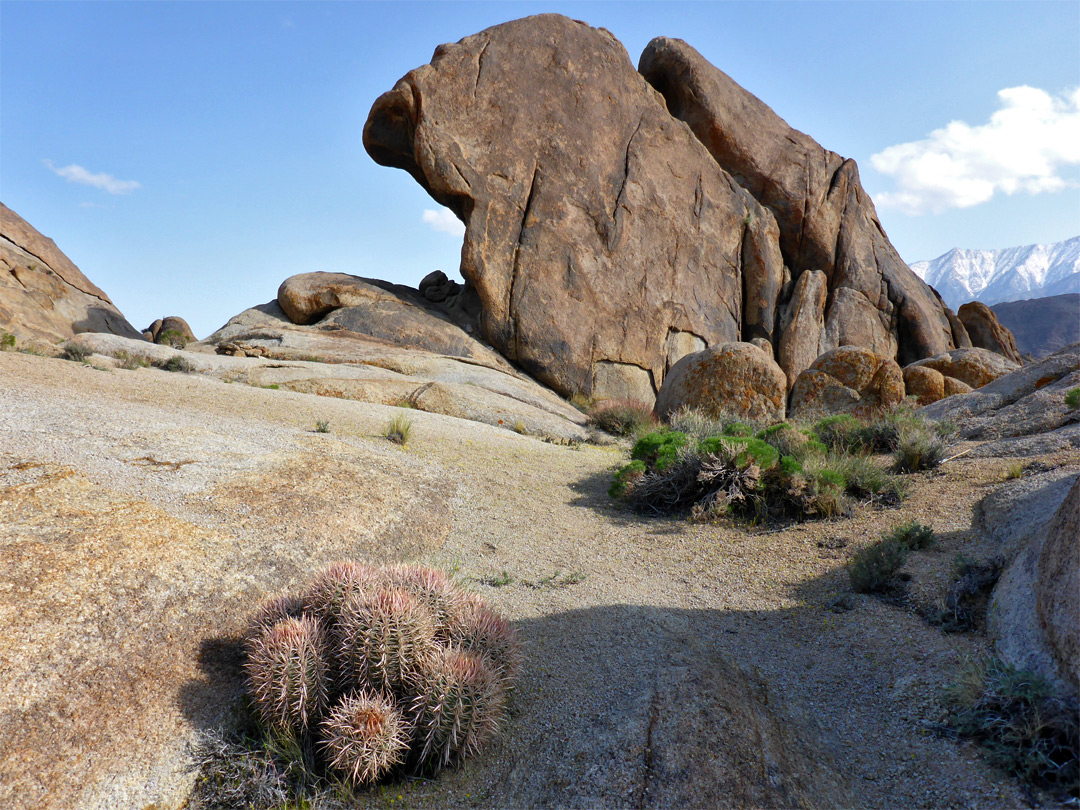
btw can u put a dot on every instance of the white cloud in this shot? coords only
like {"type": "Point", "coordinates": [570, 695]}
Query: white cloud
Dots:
{"type": "Point", "coordinates": [444, 221]}
{"type": "Point", "coordinates": [103, 181]}
{"type": "Point", "coordinates": [1022, 148]}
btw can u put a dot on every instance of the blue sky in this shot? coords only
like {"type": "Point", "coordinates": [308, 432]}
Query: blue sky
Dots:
{"type": "Point", "coordinates": [190, 156]}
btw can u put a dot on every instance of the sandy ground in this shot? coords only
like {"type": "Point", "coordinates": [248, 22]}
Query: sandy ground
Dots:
{"type": "Point", "coordinates": [142, 514]}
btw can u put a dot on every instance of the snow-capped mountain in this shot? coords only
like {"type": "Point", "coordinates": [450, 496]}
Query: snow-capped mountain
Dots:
{"type": "Point", "coordinates": [1010, 274]}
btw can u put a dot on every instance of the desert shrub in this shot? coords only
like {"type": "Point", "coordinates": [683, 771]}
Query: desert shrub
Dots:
{"type": "Point", "coordinates": [912, 536]}
{"type": "Point", "coordinates": [700, 425]}
{"type": "Point", "coordinates": [380, 670]}
{"type": "Point", "coordinates": [873, 567]}
{"type": "Point", "coordinates": [322, 425]}
{"type": "Point", "coordinates": [1072, 398]}
{"type": "Point", "coordinates": [962, 608]}
{"type": "Point", "coordinates": [625, 477]}
{"type": "Point", "coordinates": [865, 478]}
{"type": "Point", "coordinates": [1023, 726]}
{"type": "Point", "coordinates": [659, 449]}
{"type": "Point", "coordinates": [919, 447]}
{"type": "Point", "coordinates": [130, 361]}
{"type": "Point", "coordinates": [7, 341]}
{"type": "Point", "coordinates": [175, 363]}
{"type": "Point", "coordinates": [623, 417]}
{"type": "Point", "coordinates": [838, 432]}
{"type": "Point", "coordinates": [76, 352]}
{"type": "Point", "coordinates": [173, 338]}
{"type": "Point", "coordinates": [398, 429]}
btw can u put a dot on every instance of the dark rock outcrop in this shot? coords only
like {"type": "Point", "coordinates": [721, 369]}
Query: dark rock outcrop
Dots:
{"type": "Point", "coordinates": [986, 332]}
{"type": "Point", "coordinates": [827, 221]}
{"type": "Point", "coordinates": [601, 238]}
{"type": "Point", "coordinates": [43, 295]}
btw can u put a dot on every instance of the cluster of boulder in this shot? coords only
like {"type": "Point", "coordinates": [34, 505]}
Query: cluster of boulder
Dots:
{"type": "Point", "coordinates": [655, 234]}
{"type": "Point", "coordinates": [620, 219]}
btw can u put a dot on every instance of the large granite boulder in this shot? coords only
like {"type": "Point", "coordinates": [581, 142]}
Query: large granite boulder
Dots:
{"type": "Point", "coordinates": [395, 313]}
{"type": "Point", "coordinates": [986, 332]}
{"type": "Point", "coordinates": [973, 367]}
{"type": "Point", "coordinates": [733, 379]}
{"type": "Point", "coordinates": [600, 235]}
{"type": "Point", "coordinates": [43, 295]}
{"type": "Point", "coordinates": [171, 330]}
{"type": "Point", "coordinates": [827, 221]}
{"type": "Point", "coordinates": [847, 380]}
{"type": "Point", "coordinates": [929, 385]}
{"type": "Point", "coordinates": [1057, 596]}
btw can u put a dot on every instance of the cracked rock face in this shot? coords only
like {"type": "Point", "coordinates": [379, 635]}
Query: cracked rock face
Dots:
{"type": "Point", "coordinates": [43, 295]}
{"type": "Point", "coordinates": [827, 221]}
{"type": "Point", "coordinates": [601, 238]}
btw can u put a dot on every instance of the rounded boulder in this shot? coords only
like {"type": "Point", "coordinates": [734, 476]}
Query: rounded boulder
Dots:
{"type": "Point", "coordinates": [848, 380]}
{"type": "Point", "coordinates": [736, 379]}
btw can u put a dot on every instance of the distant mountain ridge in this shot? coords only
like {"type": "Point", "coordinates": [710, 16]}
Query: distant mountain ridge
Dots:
{"type": "Point", "coordinates": [1041, 326]}
{"type": "Point", "coordinates": [1009, 274]}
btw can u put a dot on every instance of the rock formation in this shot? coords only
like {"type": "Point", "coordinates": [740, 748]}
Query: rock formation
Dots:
{"type": "Point", "coordinates": [605, 242]}
{"type": "Point", "coordinates": [986, 332]}
{"type": "Point", "coordinates": [847, 380]}
{"type": "Point", "coordinates": [973, 367]}
{"type": "Point", "coordinates": [929, 385]}
{"type": "Point", "coordinates": [733, 378]}
{"type": "Point", "coordinates": [601, 239]}
{"type": "Point", "coordinates": [43, 295]}
{"type": "Point", "coordinates": [171, 330]}
{"type": "Point", "coordinates": [827, 221]}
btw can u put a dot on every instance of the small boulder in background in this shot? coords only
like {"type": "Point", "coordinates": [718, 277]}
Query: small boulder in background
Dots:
{"type": "Point", "coordinates": [986, 331]}
{"type": "Point", "coordinates": [170, 331]}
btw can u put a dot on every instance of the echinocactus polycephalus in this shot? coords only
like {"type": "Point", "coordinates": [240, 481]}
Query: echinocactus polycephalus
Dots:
{"type": "Point", "coordinates": [458, 709]}
{"type": "Point", "coordinates": [383, 640]}
{"type": "Point", "coordinates": [329, 590]}
{"type": "Point", "coordinates": [475, 627]}
{"type": "Point", "coordinates": [364, 737]}
{"type": "Point", "coordinates": [378, 667]}
{"type": "Point", "coordinates": [287, 674]}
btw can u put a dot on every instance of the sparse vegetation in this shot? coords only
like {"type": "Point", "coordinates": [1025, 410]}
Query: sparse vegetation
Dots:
{"type": "Point", "coordinates": [912, 536]}
{"type": "Point", "coordinates": [1072, 398]}
{"type": "Point", "coordinates": [622, 417]}
{"type": "Point", "coordinates": [776, 473]}
{"type": "Point", "coordinates": [1023, 726]}
{"type": "Point", "coordinates": [129, 361]}
{"type": "Point", "coordinates": [7, 341]}
{"type": "Point", "coordinates": [874, 567]}
{"type": "Point", "coordinates": [176, 363]}
{"type": "Point", "coordinates": [919, 447]}
{"type": "Point", "coordinates": [322, 425]}
{"type": "Point", "coordinates": [170, 337]}
{"type": "Point", "coordinates": [962, 609]}
{"type": "Point", "coordinates": [1016, 470]}
{"type": "Point", "coordinates": [76, 352]}
{"type": "Point", "coordinates": [367, 673]}
{"type": "Point", "coordinates": [398, 429]}
{"type": "Point", "coordinates": [519, 427]}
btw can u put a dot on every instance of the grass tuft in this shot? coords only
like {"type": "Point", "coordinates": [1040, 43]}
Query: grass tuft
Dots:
{"type": "Point", "coordinates": [322, 425]}
{"type": "Point", "coordinates": [398, 429]}
{"type": "Point", "coordinates": [76, 352]}
{"type": "Point", "coordinates": [622, 417]}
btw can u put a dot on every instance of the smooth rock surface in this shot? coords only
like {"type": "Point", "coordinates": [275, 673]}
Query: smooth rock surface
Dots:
{"type": "Point", "coordinates": [43, 295]}
{"type": "Point", "coordinates": [171, 331]}
{"type": "Point", "coordinates": [986, 332]}
{"type": "Point", "coordinates": [596, 224]}
{"type": "Point", "coordinates": [827, 221]}
{"type": "Point", "coordinates": [1030, 400]}
{"type": "Point", "coordinates": [847, 380]}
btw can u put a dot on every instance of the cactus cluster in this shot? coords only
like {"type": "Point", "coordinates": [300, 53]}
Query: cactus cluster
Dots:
{"type": "Point", "coordinates": [380, 669]}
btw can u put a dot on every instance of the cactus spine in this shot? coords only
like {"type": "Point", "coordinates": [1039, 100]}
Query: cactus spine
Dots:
{"type": "Point", "coordinates": [364, 737]}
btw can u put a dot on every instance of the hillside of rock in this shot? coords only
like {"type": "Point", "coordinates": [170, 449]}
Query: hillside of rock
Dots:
{"type": "Point", "coordinates": [43, 295]}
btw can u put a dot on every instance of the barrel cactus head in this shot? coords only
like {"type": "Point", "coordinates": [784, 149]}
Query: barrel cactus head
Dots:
{"type": "Point", "coordinates": [287, 675]}
{"type": "Point", "coordinates": [364, 737]}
